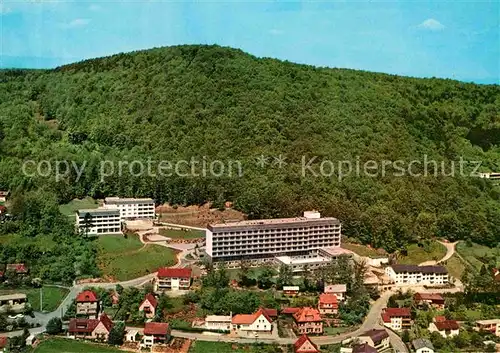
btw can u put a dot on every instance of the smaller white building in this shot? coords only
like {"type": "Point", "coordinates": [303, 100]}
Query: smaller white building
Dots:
{"type": "Point", "coordinates": [446, 328]}
{"type": "Point", "coordinates": [492, 326]}
{"type": "Point", "coordinates": [338, 289]}
{"type": "Point", "coordinates": [99, 221]}
{"type": "Point", "coordinates": [422, 345]}
{"type": "Point", "coordinates": [131, 208]}
{"type": "Point", "coordinates": [218, 322]}
{"type": "Point", "coordinates": [252, 324]}
{"type": "Point", "coordinates": [413, 274]}
{"type": "Point", "coordinates": [298, 263]}
{"type": "Point", "coordinates": [132, 336]}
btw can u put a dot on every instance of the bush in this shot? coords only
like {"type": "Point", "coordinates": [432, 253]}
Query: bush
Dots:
{"type": "Point", "coordinates": [54, 326]}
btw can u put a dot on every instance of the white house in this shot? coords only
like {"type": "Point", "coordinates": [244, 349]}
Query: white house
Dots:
{"type": "Point", "coordinates": [422, 345]}
{"type": "Point", "coordinates": [378, 338]}
{"type": "Point", "coordinates": [132, 208]}
{"type": "Point", "coordinates": [338, 289]}
{"type": "Point", "coordinates": [446, 328]}
{"type": "Point", "coordinates": [413, 274]}
{"type": "Point", "coordinates": [248, 324]}
{"type": "Point", "coordinates": [218, 322]}
{"type": "Point", "coordinates": [131, 335]}
{"type": "Point", "coordinates": [492, 326]}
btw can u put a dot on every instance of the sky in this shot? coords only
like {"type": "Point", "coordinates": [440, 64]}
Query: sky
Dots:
{"type": "Point", "coordinates": [448, 39]}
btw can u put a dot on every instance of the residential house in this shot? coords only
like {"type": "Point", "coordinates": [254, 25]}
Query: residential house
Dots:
{"type": "Point", "coordinates": [328, 304]}
{"type": "Point", "coordinates": [87, 304]}
{"type": "Point", "coordinates": [132, 335]}
{"type": "Point", "coordinates": [363, 348]}
{"type": "Point", "coordinates": [422, 345]}
{"type": "Point", "coordinates": [15, 302]}
{"type": "Point", "coordinates": [173, 279]}
{"type": "Point", "coordinates": [155, 333]}
{"type": "Point", "coordinates": [289, 311]}
{"type": "Point", "coordinates": [413, 274]}
{"type": "Point", "coordinates": [495, 272]}
{"type": "Point", "coordinates": [258, 322]}
{"type": "Point", "coordinates": [148, 306]}
{"type": "Point", "coordinates": [218, 322]}
{"type": "Point", "coordinates": [272, 313]}
{"type": "Point", "coordinates": [338, 289]}
{"type": "Point", "coordinates": [94, 329]}
{"type": "Point", "coordinates": [4, 341]}
{"type": "Point", "coordinates": [433, 300]}
{"type": "Point", "coordinates": [3, 210]}
{"type": "Point", "coordinates": [492, 326]}
{"type": "Point", "coordinates": [19, 269]}
{"type": "Point", "coordinates": [446, 328]}
{"type": "Point", "coordinates": [305, 345]}
{"type": "Point", "coordinates": [308, 321]}
{"type": "Point", "coordinates": [291, 290]}
{"type": "Point", "coordinates": [3, 196]}
{"type": "Point", "coordinates": [397, 319]}
{"type": "Point", "coordinates": [377, 338]}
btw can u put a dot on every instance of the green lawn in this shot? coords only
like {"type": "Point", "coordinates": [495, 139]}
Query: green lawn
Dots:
{"type": "Point", "coordinates": [42, 242]}
{"type": "Point", "coordinates": [254, 272]}
{"type": "Point", "coordinates": [363, 250]}
{"type": "Point", "coordinates": [435, 251]}
{"type": "Point", "coordinates": [127, 258]}
{"type": "Point", "coordinates": [223, 347]}
{"type": "Point", "coordinates": [455, 266]}
{"type": "Point", "coordinates": [71, 207]}
{"type": "Point", "coordinates": [332, 331]}
{"type": "Point", "coordinates": [51, 296]}
{"type": "Point", "coordinates": [60, 345]}
{"type": "Point", "coordinates": [477, 255]}
{"type": "Point", "coordinates": [182, 234]}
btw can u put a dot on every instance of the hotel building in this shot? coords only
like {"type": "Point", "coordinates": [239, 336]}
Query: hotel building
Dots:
{"type": "Point", "coordinates": [102, 221]}
{"type": "Point", "coordinates": [132, 208]}
{"type": "Point", "coordinates": [413, 274]}
{"type": "Point", "coordinates": [264, 240]}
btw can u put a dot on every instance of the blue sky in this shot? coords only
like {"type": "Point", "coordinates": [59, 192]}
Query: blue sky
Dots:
{"type": "Point", "coordinates": [451, 39]}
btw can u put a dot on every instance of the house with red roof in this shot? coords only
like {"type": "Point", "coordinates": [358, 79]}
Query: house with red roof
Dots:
{"type": "Point", "coordinates": [3, 210]}
{"type": "Point", "coordinates": [4, 341]}
{"type": "Point", "coordinates": [169, 278]}
{"type": "Point", "coordinates": [434, 300]}
{"type": "Point", "coordinates": [305, 345]}
{"type": "Point", "coordinates": [397, 319]}
{"type": "Point", "coordinates": [155, 333]}
{"type": "Point", "coordinates": [289, 311]}
{"type": "Point", "coordinates": [148, 305]}
{"type": "Point", "coordinates": [363, 348]}
{"type": "Point", "coordinates": [308, 321]}
{"type": "Point", "coordinates": [272, 313]}
{"type": "Point", "coordinates": [252, 324]}
{"type": "Point", "coordinates": [446, 328]}
{"type": "Point", "coordinates": [93, 329]}
{"type": "Point", "coordinates": [328, 304]}
{"type": "Point", "coordinates": [19, 268]}
{"type": "Point", "coordinates": [495, 272]}
{"type": "Point", "coordinates": [87, 304]}
{"type": "Point", "coordinates": [4, 195]}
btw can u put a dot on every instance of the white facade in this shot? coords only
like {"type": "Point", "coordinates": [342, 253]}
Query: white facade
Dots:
{"type": "Point", "coordinates": [444, 333]}
{"type": "Point", "coordinates": [261, 324]}
{"type": "Point", "coordinates": [266, 239]}
{"type": "Point", "coordinates": [411, 274]}
{"type": "Point", "coordinates": [218, 322]}
{"type": "Point", "coordinates": [102, 221]}
{"type": "Point", "coordinates": [395, 324]}
{"type": "Point", "coordinates": [13, 302]}
{"type": "Point", "coordinates": [132, 208]}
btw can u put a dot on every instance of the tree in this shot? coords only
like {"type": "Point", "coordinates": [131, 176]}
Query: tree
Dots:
{"type": "Point", "coordinates": [54, 326]}
{"type": "Point", "coordinates": [116, 334]}
{"type": "Point", "coordinates": [265, 278]}
{"type": "Point", "coordinates": [243, 274]}
{"type": "Point", "coordinates": [437, 340]}
{"type": "Point", "coordinates": [406, 336]}
{"type": "Point", "coordinates": [87, 223]}
{"type": "Point", "coordinates": [285, 276]}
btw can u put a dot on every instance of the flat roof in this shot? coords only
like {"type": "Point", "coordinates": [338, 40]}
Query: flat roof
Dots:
{"type": "Point", "coordinates": [398, 268]}
{"type": "Point", "coordinates": [336, 251]}
{"type": "Point", "coordinates": [291, 261]}
{"type": "Point", "coordinates": [129, 200]}
{"type": "Point", "coordinates": [100, 210]}
{"type": "Point", "coordinates": [13, 296]}
{"type": "Point", "coordinates": [218, 318]}
{"type": "Point", "coordinates": [257, 222]}
{"type": "Point", "coordinates": [488, 322]}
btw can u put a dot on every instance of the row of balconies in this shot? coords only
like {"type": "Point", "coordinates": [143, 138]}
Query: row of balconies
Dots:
{"type": "Point", "coordinates": [271, 246]}
{"type": "Point", "coordinates": [264, 234]}
{"type": "Point", "coordinates": [279, 230]}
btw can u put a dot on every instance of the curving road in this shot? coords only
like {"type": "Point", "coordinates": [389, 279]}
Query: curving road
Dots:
{"type": "Point", "coordinates": [450, 250]}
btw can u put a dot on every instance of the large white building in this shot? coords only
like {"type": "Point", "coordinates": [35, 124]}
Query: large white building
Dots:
{"type": "Point", "coordinates": [132, 208]}
{"type": "Point", "coordinates": [99, 221]}
{"type": "Point", "coordinates": [264, 240]}
{"type": "Point", "coordinates": [413, 274]}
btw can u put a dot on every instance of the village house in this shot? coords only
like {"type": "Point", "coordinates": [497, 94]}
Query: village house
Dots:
{"type": "Point", "coordinates": [93, 329]}
{"type": "Point", "coordinates": [3, 210]}
{"type": "Point", "coordinates": [3, 196]}
{"type": "Point", "coordinates": [155, 333]}
{"type": "Point", "coordinates": [305, 345]}
{"type": "Point", "coordinates": [4, 341]}
{"type": "Point", "coordinates": [256, 323]}
{"type": "Point", "coordinates": [328, 304]}
{"type": "Point", "coordinates": [15, 302]}
{"type": "Point", "coordinates": [413, 274]}
{"type": "Point", "coordinates": [289, 311]}
{"type": "Point", "coordinates": [377, 338]}
{"type": "Point", "coordinates": [148, 306]}
{"type": "Point", "coordinates": [446, 328]}
{"type": "Point", "coordinates": [169, 278]}
{"type": "Point", "coordinates": [19, 269]}
{"type": "Point", "coordinates": [308, 321]}
{"type": "Point", "coordinates": [87, 304]}
{"type": "Point", "coordinates": [338, 289]}
{"type": "Point", "coordinates": [433, 300]}
{"type": "Point", "coordinates": [291, 290]}
{"type": "Point", "coordinates": [218, 322]}
{"type": "Point", "coordinates": [272, 313]}
{"type": "Point", "coordinates": [397, 319]}
{"type": "Point", "coordinates": [495, 272]}
{"type": "Point", "coordinates": [132, 335]}
{"type": "Point", "coordinates": [492, 326]}
{"type": "Point", "coordinates": [422, 345]}
{"type": "Point", "coordinates": [359, 348]}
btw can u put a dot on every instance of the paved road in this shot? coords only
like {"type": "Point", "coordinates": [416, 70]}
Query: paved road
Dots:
{"type": "Point", "coordinates": [450, 250]}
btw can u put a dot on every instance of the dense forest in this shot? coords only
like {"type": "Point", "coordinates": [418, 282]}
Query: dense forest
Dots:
{"type": "Point", "coordinates": [183, 102]}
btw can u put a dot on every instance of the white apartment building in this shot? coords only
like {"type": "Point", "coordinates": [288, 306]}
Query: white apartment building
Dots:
{"type": "Point", "coordinates": [263, 240]}
{"type": "Point", "coordinates": [132, 208]}
{"type": "Point", "coordinates": [413, 274]}
{"type": "Point", "coordinates": [218, 322]}
{"type": "Point", "coordinates": [100, 221]}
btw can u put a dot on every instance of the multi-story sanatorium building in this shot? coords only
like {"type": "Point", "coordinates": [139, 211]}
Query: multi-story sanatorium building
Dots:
{"type": "Point", "coordinates": [132, 208]}
{"type": "Point", "coordinates": [101, 221]}
{"type": "Point", "coordinates": [264, 240]}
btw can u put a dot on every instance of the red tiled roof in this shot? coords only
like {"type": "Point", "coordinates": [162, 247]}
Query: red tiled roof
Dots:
{"type": "Point", "coordinates": [447, 325]}
{"type": "Point", "coordinates": [307, 314]}
{"type": "Point", "coordinates": [3, 208]}
{"type": "Point", "coordinates": [19, 268]}
{"type": "Point", "coordinates": [3, 341]}
{"type": "Point", "coordinates": [326, 298]}
{"type": "Point", "coordinates": [434, 297]}
{"type": "Point", "coordinates": [377, 335]}
{"type": "Point", "coordinates": [271, 312]}
{"type": "Point", "coordinates": [106, 321]}
{"type": "Point", "coordinates": [82, 325]}
{"type": "Point", "coordinates": [300, 342]}
{"type": "Point", "coordinates": [86, 296]}
{"type": "Point", "coordinates": [174, 272]}
{"type": "Point", "coordinates": [247, 319]}
{"type": "Point", "coordinates": [156, 328]}
{"type": "Point", "coordinates": [439, 319]}
{"type": "Point", "coordinates": [395, 312]}
{"type": "Point", "coordinates": [151, 299]}
{"type": "Point", "coordinates": [289, 311]}
{"type": "Point", "coordinates": [363, 348]}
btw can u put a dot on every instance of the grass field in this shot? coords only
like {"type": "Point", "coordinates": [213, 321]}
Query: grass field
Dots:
{"type": "Point", "coordinates": [332, 331]}
{"type": "Point", "coordinates": [182, 234]}
{"type": "Point", "coordinates": [60, 345]}
{"type": "Point", "coordinates": [51, 296]}
{"type": "Point", "coordinates": [127, 258]}
{"type": "Point", "coordinates": [72, 206]}
{"type": "Point", "coordinates": [455, 266]}
{"type": "Point", "coordinates": [223, 347]}
{"type": "Point", "coordinates": [363, 250]}
{"type": "Point", "coordinates": [42, 242]}
{"type": "Point", "coordinates": [477, 255]}
{"type": "Point", "coordinates": [417, 254]}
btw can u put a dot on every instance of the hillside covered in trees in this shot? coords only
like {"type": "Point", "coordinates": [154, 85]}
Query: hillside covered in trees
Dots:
{"type": "Point", "coordinates": [219, 103]}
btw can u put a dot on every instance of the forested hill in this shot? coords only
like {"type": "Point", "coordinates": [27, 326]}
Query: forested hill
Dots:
{"type": "Point", "coordinates": [192, 101]}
